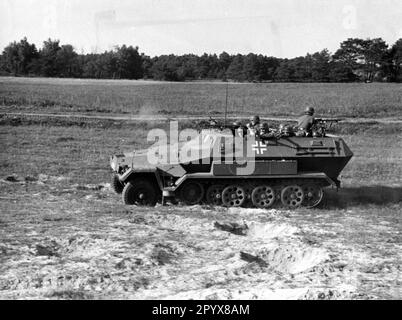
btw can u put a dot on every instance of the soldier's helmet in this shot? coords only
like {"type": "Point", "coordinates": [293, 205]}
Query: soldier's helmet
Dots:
{"type": "Point", "coordinates": [237, 124]}
{"type": "Point", "coordinates": [287, 130]}
{"type": "Point", "coordinates": [255, 120]}
{"type": "Point", "coordinates": [263, 127]}
{"type": "Point", "coordinates": [309, 111]}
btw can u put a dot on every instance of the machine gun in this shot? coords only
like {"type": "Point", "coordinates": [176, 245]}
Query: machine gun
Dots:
{"type": "Point", "coordinates": [322, 125]}
{"type": "Point", "coordinates": [218, 124]}
{"type": "Point", "coordinates": [207, 124]}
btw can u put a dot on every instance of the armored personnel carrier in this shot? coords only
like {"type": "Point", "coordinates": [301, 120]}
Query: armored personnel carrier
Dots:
{"type": "Point", "coordinates": [274, 169]}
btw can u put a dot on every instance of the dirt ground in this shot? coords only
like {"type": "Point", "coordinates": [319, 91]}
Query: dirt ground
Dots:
{"type": "Point", "coordinates": [77, 241]}
{"type": "Point", "coordinates": [65, 235]}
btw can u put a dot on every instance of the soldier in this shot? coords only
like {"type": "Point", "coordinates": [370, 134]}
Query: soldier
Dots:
{"type": "Point", "coordinates": [305, 122]}
{"type": "Point", "coordinates": [263, 128]}
{"type": "Point", "coordinates": [253, 125]}
{"type": "Point", "coordinates": [265, 132]}
{"type": "Point", "coordinates": [287, 131]}
{"type": "Point", "coordinates": [254, 121]}
{"type": "Point", "coordinates": [213, 122]}
{"type": "Point", "coordinates": [238, 128]}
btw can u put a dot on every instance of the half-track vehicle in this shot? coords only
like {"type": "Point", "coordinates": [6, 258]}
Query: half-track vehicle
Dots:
{"type": "Point", "coordinates": [286, 169]}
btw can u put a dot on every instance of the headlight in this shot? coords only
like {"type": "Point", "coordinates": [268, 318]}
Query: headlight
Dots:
{"type": "Point", "coordinates": [113, 163]}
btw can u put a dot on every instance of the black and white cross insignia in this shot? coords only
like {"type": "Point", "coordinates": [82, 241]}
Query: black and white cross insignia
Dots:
{"type": "Point", "coordinates": [259, 147]}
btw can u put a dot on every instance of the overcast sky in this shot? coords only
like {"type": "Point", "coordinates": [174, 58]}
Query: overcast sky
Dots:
{"type": "Point", "coordinates": [282, 28]}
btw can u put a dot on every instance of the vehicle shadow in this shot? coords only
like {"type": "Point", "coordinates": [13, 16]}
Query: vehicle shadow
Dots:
{"type": "Point", "coordinates": [378, 195]}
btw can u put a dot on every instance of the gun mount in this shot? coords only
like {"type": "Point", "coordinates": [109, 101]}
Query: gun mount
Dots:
{"type": "Point", "coordinates": [322, 125]}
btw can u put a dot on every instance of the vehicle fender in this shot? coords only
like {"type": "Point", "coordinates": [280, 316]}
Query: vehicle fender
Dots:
{"type": "Point", "coordinates": [133, 174]}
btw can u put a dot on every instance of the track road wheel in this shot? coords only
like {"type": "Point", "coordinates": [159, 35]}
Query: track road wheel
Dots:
{"type": "Point", "coordinates": [141, 192]}
{"type": "Point", "coordinates": [263, 197]}
{"type": "Point", "coordinates": [313, 195]}
{"type": "Point", "coordinates": [233, 196]}
{"type": "Point", "coordinates": [292, 196]}
{"type": "Point", "coordinates": [214, 195]}
{"type": "Point", "coordinates": [192, 193]}
{"type": "Point", "coordinates": [116, 184]}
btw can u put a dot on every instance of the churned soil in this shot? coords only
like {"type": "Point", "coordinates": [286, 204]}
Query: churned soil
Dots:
{"type": "Point", "coordinates": [63, 240]}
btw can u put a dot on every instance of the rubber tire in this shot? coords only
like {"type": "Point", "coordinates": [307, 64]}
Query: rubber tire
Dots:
{"type": "Point", "coordinates": [116, 184]}
{"type": "Point", "coordinates": [132, 187]}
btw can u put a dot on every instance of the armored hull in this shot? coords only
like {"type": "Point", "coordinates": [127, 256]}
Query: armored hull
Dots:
{"type": "Point", "coordinates": [287, 171]}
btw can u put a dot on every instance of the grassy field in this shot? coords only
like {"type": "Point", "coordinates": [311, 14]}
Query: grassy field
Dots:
{"type": "Point", "coordinates": [82, 150]}
{"type": "Point", "coordinates": [198, 98]}
{"type": "Point", "coordinates": [65, 235]}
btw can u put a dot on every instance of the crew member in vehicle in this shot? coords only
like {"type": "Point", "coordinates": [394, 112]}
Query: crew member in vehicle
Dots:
{"type": "Point", "coordinates": [238, 129]}
{"type": "Point", "coordinates": [252, 126]}
{"type": "Point", "coordinates": [305, 122]}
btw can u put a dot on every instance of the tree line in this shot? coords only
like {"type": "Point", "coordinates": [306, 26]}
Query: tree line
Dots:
{"type": "Point", "coordinates": [356, 60]}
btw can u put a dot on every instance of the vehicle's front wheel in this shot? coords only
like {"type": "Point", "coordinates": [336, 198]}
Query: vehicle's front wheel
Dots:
{"type": "Point", "coordinates": [141, 192]}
